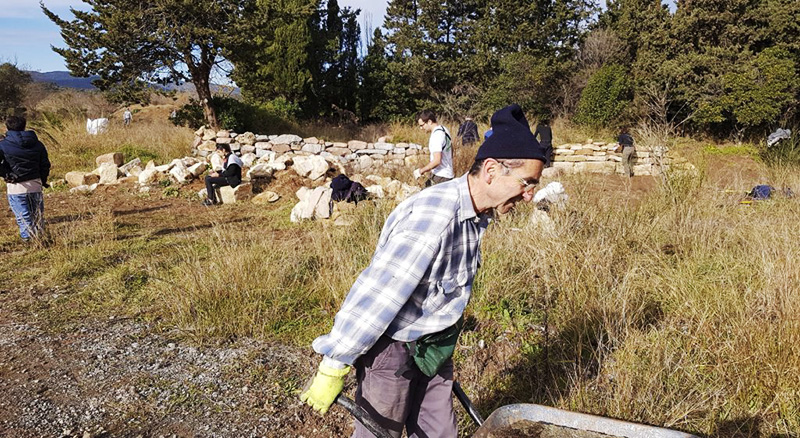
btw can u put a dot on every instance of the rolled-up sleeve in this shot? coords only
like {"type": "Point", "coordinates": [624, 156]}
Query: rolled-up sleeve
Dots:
{"type": "Point", "coordinates": [378, 294]}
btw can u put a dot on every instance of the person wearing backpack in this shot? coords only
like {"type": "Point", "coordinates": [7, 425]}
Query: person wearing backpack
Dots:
{"type": "Point", "coordinates": [440, 146]}
{"type": "Point", "coordinates": [399, 324]}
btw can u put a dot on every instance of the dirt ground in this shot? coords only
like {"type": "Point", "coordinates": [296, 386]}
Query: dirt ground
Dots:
{"type": "Point", "coordinates": [123, 377]}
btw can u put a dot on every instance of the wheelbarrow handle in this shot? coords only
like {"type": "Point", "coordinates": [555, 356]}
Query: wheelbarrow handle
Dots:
{"type": "Point", "coordinates": [362, 416]}
{"type": "Point", "coordinates": [462, 397]}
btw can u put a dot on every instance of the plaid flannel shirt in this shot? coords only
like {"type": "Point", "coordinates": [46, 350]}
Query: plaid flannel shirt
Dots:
{"type": "Point", "coordinates": [420, 278]}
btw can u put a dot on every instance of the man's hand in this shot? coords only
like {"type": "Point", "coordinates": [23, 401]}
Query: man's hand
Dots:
{"type": "Point", "coordinates": [324, 387]}
{"type": "Point", "coordinates": [213, 174]}
{"type": "Point", "coordinates": [417, 174]}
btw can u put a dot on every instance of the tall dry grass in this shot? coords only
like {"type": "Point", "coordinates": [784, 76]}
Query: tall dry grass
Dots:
{"type": "Point", "coordinates": [677, 307]}
{"type": "Point", "coordinates": [71, 148]}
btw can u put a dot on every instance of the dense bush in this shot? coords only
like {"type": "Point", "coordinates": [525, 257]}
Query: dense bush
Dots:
{"type": "Point", "coordinates": [604, 98]}
{"type": "Point", "coordinates": [239, 116]}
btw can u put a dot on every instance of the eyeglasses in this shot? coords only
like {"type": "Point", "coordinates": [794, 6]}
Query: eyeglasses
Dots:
{"type": "Point", "coordinates": [527, 185]}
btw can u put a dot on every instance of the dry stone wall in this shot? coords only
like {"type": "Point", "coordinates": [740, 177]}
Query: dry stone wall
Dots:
{"type": "Point", "coordinates": [359, 155]}
{"type": "Point", "coordinates": [606, 158]}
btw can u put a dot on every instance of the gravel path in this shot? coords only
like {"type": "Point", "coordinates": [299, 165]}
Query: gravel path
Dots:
{"type": "Point", "coordinates": [125, 378]}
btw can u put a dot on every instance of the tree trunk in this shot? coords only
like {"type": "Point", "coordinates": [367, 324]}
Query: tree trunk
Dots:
{"type": "Point", "coordinates": [204, 94]}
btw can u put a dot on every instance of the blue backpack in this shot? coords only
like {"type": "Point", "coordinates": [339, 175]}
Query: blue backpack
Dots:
{"type": "Point", "coordinates": [761, 192]}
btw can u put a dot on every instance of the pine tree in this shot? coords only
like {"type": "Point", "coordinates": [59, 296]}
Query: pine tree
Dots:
{"type": "Point", "coordinates": [131, 44]}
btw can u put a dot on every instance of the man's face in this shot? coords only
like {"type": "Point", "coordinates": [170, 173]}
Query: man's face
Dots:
{"type": "Point", "coordinates": [425, 126]}
{"type": "Point", "coordinates": [510, 186]}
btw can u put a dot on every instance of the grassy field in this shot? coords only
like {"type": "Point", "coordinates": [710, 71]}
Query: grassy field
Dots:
{"type": "Point", "coordinates": [674, 307]}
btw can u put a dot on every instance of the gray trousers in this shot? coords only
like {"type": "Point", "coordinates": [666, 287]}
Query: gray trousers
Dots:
{"type": "Point", "coordinates": [424, 405]}
{"type": "Point", "coordinates": [627, 159]}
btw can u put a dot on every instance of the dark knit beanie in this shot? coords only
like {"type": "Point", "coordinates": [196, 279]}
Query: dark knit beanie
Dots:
{"type": "Point", "coordinates": [511, 137]}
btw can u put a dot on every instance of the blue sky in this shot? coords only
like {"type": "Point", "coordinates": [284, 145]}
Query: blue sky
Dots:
{"type": "Point", "coordinates": [26, 33]}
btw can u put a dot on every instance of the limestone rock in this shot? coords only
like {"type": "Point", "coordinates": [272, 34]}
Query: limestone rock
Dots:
{"type": "Point", "coordinates": [148, 176]}
{"type": "Point", "coordinates": [126, 168]}
{"type": "Point", "coordinates": [286, 139]}
{"type": "Point", "coordinates": [263, 170]}
{"type": "Point", "coordinates": [82, 189]}
{"type": "Point", "coordinates": [384, 146]}
{"type": "Point", "coordinates": [134, 171]}
{"type": "Point", "coordinates": [263, 145]}
{"type": "Point", "coordinates": [224, 140]}
{"type": "Point", "coordinates": [179, 172]}
{"type": "Point", "coordinates": [114, 158]}
{"type": "Point", "coordinates": [248, 159]}
{"type": "Point", "coordinates": [311, 167]}
{"type": "Point", "coordinates": [376, 191]}
{"type": "Point", "coordinates": [281, 148]}
{"type": "Point", "coordinates": [355, 145]}
{"type": "Point", "coordinates": [338, 151]}
{"type": "Point", "coordinates": [265, 198]}
{"type": "Point", "coordinates": [231, 195]}
{"type": "Point", "coordinates": [314, 204]}
{"type": "Point", "coordinates": [223, 134]}
{"type": "Point", "coordinates": [312, 148]}
{"type": "Point", "coordinates": [247, 138]}
{"type": "Point", "coordinates": [198, 169]}
{"type": "Point", "coordinates": [208, 146]}
{"type": "Point", "coordinates": [209, 134]}
{"type": "Point", "coordinates": [311, 140]}
{"type": "Point", "coordinates": [76, 178]}
{"type": "Point", "coordinates": [108, 173]}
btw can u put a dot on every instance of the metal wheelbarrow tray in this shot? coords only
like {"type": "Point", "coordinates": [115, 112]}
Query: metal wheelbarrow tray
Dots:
{"type": "Point", "coordinates": [536, 421]}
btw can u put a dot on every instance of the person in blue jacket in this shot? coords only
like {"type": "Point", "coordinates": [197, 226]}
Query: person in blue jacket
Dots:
{"type": "Point", "coordinates": [25, 166]}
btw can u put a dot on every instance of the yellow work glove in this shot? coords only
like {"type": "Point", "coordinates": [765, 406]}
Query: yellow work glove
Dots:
{"type": "Point", "coordinates": [325, 386]}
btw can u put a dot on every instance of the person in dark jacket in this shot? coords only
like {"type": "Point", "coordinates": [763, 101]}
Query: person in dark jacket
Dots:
{"type": "Point", "coordinates": [626, 141]}
{"type": "Point", "coordinates": [24, 166]}
{"type": "Point", "coordinates": [231, 174]}
{"type": "Point", "coordinates": [545, 136]}
{"type": "Point", "coordinates": [468, 132]}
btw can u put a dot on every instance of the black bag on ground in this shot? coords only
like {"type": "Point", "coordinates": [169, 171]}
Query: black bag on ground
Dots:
{"type": "Point", "coordinates": [346, 190]}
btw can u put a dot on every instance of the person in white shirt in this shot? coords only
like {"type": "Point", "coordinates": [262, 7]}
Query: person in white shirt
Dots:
{"type": "Point", "coordinates": [127, 117]}
{"type": "Point", "coordinates": [441, 149]}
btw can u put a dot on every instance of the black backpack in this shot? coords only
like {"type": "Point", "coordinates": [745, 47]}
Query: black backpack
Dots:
{"type": "Point", "coordinates": [346, 190]}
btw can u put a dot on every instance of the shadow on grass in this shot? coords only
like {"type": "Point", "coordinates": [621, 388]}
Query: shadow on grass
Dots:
{"type": "Point", "coordinates": [140, 210]}
{"type": "Point", "coordinates": [548, 367]}
{"type": "Point", "coordinates": [191, 228]}
{"type": "Point", "coordinates": [744, 427]}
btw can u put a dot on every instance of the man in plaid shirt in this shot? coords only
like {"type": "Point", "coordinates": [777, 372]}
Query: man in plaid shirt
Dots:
{"type": "Point", "coordinates": [418, 284]}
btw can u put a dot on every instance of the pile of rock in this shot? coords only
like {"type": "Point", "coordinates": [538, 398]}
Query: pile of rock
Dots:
{"type": "Point", "coordinates": [606, 158]}
{"type": "Point", "coordinates": [315, 203]}
{"type": "Point", "coordinates": [359, 155]}
{"type": "Point", "coordinates": [111, 170]}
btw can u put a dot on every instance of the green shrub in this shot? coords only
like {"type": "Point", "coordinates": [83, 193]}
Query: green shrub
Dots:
{"type": "Point", "coordinates": [604, 98]}
{"type": "Point", "coordinates": [239, 116]}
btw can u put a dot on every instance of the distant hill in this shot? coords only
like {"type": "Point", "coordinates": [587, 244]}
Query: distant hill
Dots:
{"type": "Point", "coordinates": [64, 79]}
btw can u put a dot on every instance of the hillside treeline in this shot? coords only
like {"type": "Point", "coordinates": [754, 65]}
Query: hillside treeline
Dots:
{"type": "Point", "coordinates": [721, 68]}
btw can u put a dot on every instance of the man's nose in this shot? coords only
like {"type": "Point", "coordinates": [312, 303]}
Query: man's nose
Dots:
{"type": "Point", "coordinates": [527, 195]}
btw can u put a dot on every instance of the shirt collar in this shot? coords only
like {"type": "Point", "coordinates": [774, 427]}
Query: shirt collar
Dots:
{"type": "Point", "coordinates": [466, 209]}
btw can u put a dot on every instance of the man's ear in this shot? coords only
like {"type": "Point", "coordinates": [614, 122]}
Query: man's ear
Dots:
{"type": "Point", "coordinates": [490, 169]}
